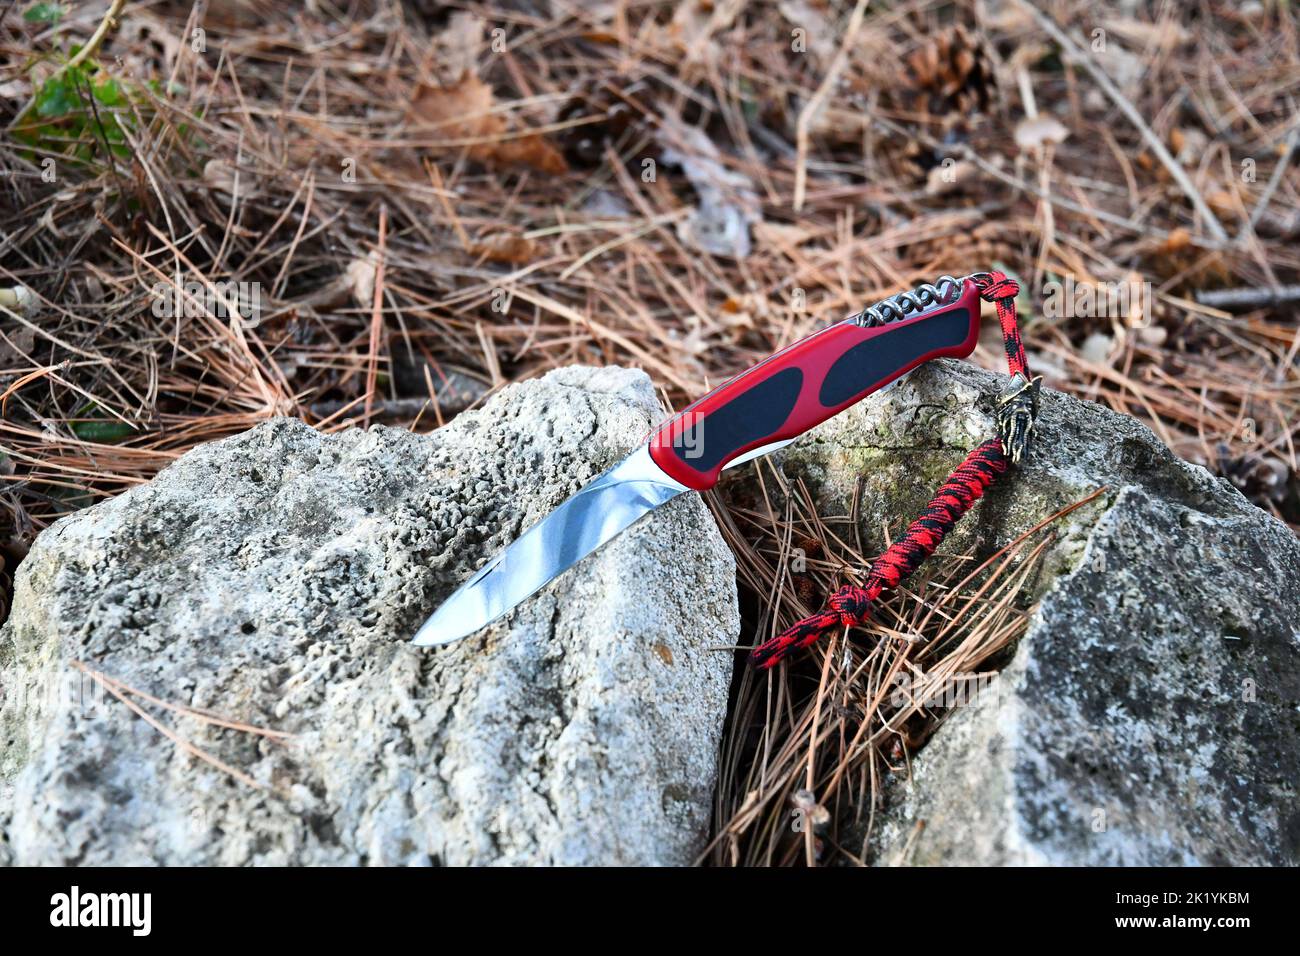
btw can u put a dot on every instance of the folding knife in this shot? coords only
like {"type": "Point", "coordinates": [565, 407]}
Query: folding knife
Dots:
{"type": "Point", "coordinates": [756, 412]}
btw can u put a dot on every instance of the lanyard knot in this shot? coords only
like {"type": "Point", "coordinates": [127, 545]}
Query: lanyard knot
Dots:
{"type": "Point", "coordinates": [995, 285]}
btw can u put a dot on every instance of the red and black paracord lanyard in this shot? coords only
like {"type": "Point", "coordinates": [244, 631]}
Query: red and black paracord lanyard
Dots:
{"type": "Point", "coordinates": [851, 605]}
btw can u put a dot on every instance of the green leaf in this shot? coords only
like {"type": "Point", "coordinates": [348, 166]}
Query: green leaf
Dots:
{"type": "Point", "coordinates": [49, 13]}
{"type": "Point", "coordinates": [57, 97]}
{"type": "Point", "coordinates": [102, 431]}
{"type": "Point", "coordinates": [109, 93]}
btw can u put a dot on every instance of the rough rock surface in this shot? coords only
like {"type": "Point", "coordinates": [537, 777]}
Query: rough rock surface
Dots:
{"type": "Point", "coordinates": [274, 579]}
{"type": "Point", "coordinates": [1151, 714]}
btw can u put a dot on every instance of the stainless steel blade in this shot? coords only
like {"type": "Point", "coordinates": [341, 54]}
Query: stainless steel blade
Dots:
{"type": "Point", "coordinates": [603, 508]}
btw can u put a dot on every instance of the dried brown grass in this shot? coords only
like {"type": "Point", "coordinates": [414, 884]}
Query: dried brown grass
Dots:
{"type": "Point", "coordinates": [815, 740]}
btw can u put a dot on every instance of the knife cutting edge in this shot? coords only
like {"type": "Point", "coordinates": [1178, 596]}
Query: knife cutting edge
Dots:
{"type": "Point", "coordinates": [758, 411]}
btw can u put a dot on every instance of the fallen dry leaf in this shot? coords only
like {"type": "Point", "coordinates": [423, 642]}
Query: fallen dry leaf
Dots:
{"type": "Point", "coordinates": [464, 111]}
{"type": "Point", "coordinates": [455, 51]}
{"type": "Point", "coordinates": [779, 234]}
{"type": "Point", "coordinates": [360, 277]}
{"type": "Point", "coordinates": [16, 348]}
{"type": "Point", "coordinates": [727, 204]}
{"type": "Point", "coordinates": [501, 245]}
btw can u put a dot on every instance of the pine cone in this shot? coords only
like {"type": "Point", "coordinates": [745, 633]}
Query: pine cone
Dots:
{"type": "Point", "coordinates": [950, 74]}
{"type": "Point", "coordinates": [806, 590]}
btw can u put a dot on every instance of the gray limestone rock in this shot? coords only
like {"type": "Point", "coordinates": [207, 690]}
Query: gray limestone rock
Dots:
{"type": "Point", "coordinates": [274, 578]}
{"type": "Point", "coordinates": [1151, 713]}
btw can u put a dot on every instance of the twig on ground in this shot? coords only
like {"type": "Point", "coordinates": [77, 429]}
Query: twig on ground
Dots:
{"type": "Point", "coordinates": [1249, 298]}
{"type": "Point", "coordinates": [376, 315]}
{"type": "Point", "coordinates": [818, 99]}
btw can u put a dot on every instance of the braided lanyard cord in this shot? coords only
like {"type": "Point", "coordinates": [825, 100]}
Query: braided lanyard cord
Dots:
{"type": "Point", "coordinates": [851, 605]}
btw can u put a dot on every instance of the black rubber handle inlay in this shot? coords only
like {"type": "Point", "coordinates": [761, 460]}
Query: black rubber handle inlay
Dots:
{"type": "Point", "coordinates": [750, 416]}
{"type": "Point", "coordinates": [880, 357]}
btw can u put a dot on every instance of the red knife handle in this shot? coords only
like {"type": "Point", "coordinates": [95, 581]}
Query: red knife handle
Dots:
{"type": "Point", "coordinates": [806, 383]}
